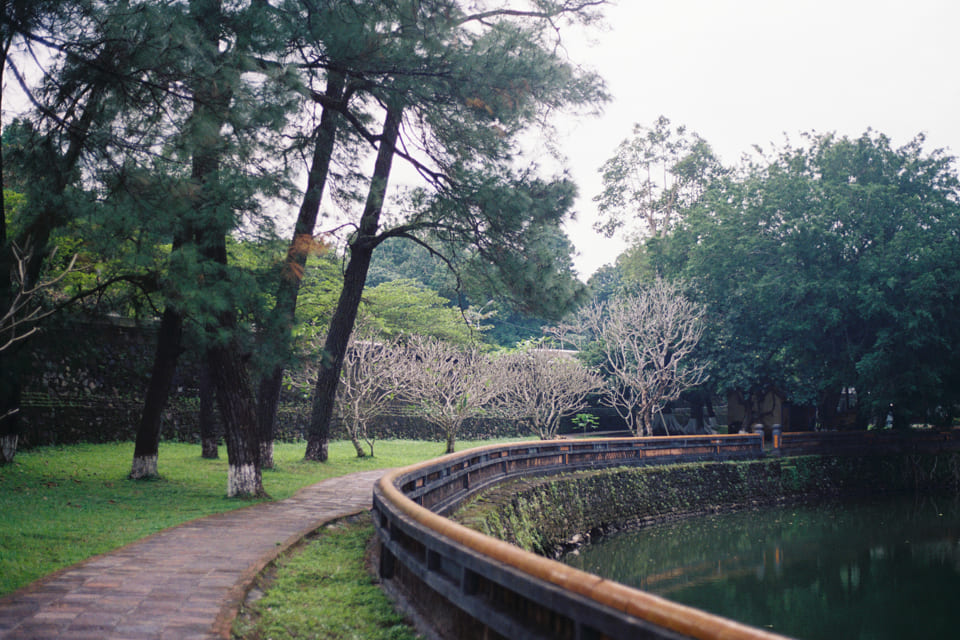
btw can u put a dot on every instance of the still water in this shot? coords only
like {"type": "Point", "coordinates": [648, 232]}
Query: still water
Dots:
{"type": "Point", "coordinates": [877, 569]}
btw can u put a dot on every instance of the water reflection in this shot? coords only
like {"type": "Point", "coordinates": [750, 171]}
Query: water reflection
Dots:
{"type": "Point", "coordinates": [873, 569]}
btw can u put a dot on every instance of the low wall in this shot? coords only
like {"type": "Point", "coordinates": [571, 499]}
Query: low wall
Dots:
{"type": "Point", "coordinates": [552, 515]}
{"type": "Point", "coordinates": [470, 585]}
{"type": "Point", "coordinates": [475, 586]}
{"type": "Point", "coordinates": [86, 379]}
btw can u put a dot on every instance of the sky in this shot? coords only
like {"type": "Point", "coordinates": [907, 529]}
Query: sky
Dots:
{"type": "Point", "coordinates": [750, 72]}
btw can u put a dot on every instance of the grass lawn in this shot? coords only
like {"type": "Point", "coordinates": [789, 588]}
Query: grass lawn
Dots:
{"type": "Point", "coordinates": [323, 591]}
{"type": "Point", "coordinates": [61, 505]}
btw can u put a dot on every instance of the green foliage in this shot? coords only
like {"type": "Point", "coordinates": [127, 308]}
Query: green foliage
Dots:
{"type": "Point", "coordinates": [830, 266]}
{"type": "Point", "coordinates": [503, 227]}
{"type": "Point", "coordinates": [397, 259]}
{"type": "Point", "coordinates": [319, 291]}
{"type": "Point", "coordinates": [585, 421]}
{"type": "Point", "coordinates": [119, 102]}
{"type": "Point", "coordinates": [13, 201]}
{"type": "Point", "coordinates": [401, 259]}
{"type": "Point", "coordinates": [405, 307]}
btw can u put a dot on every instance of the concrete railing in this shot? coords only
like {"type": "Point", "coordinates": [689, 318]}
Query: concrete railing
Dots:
{"type": "Point", "coordinates": [473, 586]}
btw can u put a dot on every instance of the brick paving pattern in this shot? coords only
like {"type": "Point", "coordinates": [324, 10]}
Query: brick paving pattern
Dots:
{"type": "Point", "coordinates": [185, 583]}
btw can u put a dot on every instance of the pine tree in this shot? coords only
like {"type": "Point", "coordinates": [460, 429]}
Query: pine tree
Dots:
{"type": "Point", "coordinates": [88, 73]}
{"type": "Point", "coordinates": [456, 90]}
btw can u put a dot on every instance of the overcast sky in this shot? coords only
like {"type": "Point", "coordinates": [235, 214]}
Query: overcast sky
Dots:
{"type": "Point", "coordinates": [746, 72]}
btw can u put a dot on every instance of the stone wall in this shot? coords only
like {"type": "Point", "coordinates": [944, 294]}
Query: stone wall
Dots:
{"type": "Point", "coordinates": [87, 381]}
{"type": "Point", "coordinates": [551, 515]}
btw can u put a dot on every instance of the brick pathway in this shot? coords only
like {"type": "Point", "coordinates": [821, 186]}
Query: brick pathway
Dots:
{"type": "Point", "coordinates": [185, 583]}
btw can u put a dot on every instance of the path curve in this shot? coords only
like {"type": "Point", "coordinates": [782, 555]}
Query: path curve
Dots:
{"type": "Point", "coordinates": [184, 583]}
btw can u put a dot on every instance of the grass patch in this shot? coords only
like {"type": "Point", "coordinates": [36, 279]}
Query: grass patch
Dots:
{"type": "Point", "coordinates": [324, 590]}
{"type": "Point", "coordinates": [61, 505]}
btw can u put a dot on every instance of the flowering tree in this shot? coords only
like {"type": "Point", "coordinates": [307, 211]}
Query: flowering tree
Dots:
{"type": "Point", "coordinates": [542, 386]}
{"type": "Point", "coordinates": [446, 383]}
{"type": "Point", "coordinates": [646, 343]}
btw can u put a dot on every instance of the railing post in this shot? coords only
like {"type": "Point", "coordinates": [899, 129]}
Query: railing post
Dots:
{"type": "Point", "coordinates": [387, 562]}
{"type": "Point", "coordinates": [777, 438]}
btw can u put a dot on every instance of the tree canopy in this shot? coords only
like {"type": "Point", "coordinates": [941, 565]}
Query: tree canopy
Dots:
{"type": "Point", "coordinates": [653, 177]}
{"type": "Point", "coordinates": [830, 266]}
{"type": "Point", "coordinates": [163, 135]}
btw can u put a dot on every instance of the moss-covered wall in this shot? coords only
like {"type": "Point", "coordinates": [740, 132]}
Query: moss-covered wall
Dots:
{"type": "Point", "coordinates": [550, 514]}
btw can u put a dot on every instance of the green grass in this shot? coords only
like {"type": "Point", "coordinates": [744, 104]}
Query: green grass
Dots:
{"type": "Point", "coordinates": [324, 591]}
{"type": "Point", "coordinates": [61, 505]}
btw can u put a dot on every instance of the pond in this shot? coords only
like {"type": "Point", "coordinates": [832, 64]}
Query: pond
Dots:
{"type": "Point", "coordinates": [870, 569]}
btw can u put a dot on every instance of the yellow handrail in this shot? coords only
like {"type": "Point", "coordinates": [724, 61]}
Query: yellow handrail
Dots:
{"type": "Point", "coordinates": [663, 613]}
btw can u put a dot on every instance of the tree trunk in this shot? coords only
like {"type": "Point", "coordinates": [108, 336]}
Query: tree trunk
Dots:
{"type": "Point", "coordinates": [268, 399]}
{"type": "Point", "coordinates": [209, 439]}
{"type": "Point", "coordinates": [341, 325]}
{"type": "Point", "coordinates": [266, 449]}
{"type": "Point", "coordinates": [9, 383]}
{"type": "Point", "coordinates": [146, 447]}
{"type": "Point", "coordinates": [277, 332]}
{"type": "Point", "coordinates": [451, 441]}
{"type": "Point", "coordinates": [9, 406]}
{"type": "Point", "coordinates": [355, 432]}
{"type": "Point", "coordinates": [361, 452]}
{"type": "Point", "coordinates": [697, 412]}
{"type": "Point", "coordinates": [212, 96]}
{"type": "Point", "coordinates": [10, 368]}
{"type": "Point", "coordinates": [233, 388]}
{"type": "Point", "coordinates": [235, 399]}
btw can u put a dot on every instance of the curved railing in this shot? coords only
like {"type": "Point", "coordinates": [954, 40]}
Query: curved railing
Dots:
{"type": "Point", "coordinates": [473, 586]}
{"type": "Point", "coordinates": [868, 442]}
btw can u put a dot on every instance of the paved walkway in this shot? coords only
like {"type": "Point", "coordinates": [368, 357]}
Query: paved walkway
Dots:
{"type": "Point", "coordinates": [185, 583]}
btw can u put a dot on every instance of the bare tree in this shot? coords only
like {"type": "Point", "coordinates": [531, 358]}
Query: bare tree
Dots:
{"type": "Point", "coordinates": [371, 378]}
{"type": "Point", "coordinates": [18, 322]}
{"type": "Point", "coordinates": [447, 383]}
{"type": "Point", "coordinates": [647, 341]}
{"type": "Point", "coordinates": [542, 386]}
{"type": "Point", "coordinates": [22, 319]}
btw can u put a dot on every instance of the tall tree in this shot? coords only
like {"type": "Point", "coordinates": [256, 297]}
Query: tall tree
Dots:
{"type": "Point", "coordinates": [827, 266]}
{"type": "Point", "coordinates": [652, 178]}
{"type": "Point", "coordinates": [278, 331]}
{"type": "Point", "coordinates": [354, 279]}
{"type": "Point", "coordinates": [80, 80]}
{"type": "Point", "coordinates": [220, 111]}
{"type": "Point", "coordinates": [464, 86]}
